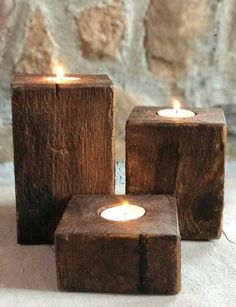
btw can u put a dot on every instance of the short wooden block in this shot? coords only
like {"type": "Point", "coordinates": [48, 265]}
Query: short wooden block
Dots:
{"type": "Point", "coordinates": [63, 144]}
{"type": "Point", "coordinates": [136, 256]}
{"type": "Point", "coordinates": [182, 157]}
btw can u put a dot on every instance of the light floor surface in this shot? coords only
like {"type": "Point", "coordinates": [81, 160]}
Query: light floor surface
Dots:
{"type": "Point", "coordinates": [28, 273]}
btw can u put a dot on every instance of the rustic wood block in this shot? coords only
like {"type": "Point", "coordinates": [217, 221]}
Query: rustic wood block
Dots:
{"type": "Point", "coordinates": [63, 144]}
{"type": "Point", "coordinates": [136, 256]}
{"type": "Point", "coordinates": [182, 157]}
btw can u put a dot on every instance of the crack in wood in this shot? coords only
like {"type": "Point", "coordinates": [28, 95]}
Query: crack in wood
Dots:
{"type": "Point", "coordinates": [59, 150]}
{"type": "Point", "coordinates": [143, 265]}
{"type": "Point", "coordinates": [57, 87]}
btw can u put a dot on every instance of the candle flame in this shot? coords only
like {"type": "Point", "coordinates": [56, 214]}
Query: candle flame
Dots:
{"type": "Point", "coordinates": [125, 204]}
{"type": "Point", "coordinates": [176, 104]}
{"type": "Point", "coordinates": [60, 73]}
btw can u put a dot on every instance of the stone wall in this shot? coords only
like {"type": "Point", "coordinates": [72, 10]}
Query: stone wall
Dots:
{"type": "Point", "coordinates": [151, 49]}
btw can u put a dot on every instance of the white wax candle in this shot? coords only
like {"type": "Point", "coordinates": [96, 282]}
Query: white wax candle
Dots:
{"type": "Point", "coordinates": [124, 212]}
{"type": "Point", "coordinates": [176, 112]}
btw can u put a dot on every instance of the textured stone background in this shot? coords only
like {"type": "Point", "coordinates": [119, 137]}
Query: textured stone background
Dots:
{"type": "Point", "coordinates": [152, 50]}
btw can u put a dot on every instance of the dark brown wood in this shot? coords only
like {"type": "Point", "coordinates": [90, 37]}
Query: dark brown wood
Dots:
{"type": "Point", "coordinates": [182, 157]}
{"type": "Point", "coordinates": [63, 144]}
{"type": "Point", "coordinates": [138, 256]}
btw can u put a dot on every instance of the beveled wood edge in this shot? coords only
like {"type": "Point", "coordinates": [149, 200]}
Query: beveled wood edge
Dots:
{"type": "Point", "coordinates": [135, 120]}
{"type": "Point", "coordinates": [171, 198]}
{"type": "Point", "coordinates": [40, 80]}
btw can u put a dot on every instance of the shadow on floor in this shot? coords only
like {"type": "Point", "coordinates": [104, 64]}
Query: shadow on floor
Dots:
{"type": "Point", "coordinates": [24, 267]}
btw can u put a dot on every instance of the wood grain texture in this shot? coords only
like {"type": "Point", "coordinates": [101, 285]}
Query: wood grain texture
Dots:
{"type": "Point", "coordinates": [63, 144]}
{"type": "Point", "coordinates": [138, 256]}
{"type": "Point", "coordinates": [181, 157]}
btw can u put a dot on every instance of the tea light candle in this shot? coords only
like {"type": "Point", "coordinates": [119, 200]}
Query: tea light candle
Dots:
{"type": "Point", "coordinates": [60, 76]}
{"type": "Point", "coordinates": [123, 212]}
{"type": "Point", "coordinates": [176, 111]}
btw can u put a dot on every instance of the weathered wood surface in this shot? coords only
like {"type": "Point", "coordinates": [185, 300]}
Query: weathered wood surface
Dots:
{"type": "Point", "coordinates": [182, 157]}
{"type": "Point", "coordinates": [63, 144]}
{"type": "Point", "coordinates": [136, 256]}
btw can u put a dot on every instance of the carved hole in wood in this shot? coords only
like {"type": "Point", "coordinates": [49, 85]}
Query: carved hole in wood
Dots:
{"type": "Point", "coordinates": [100, 210]}
{"type": "Point", "coordinates": [195, 114]}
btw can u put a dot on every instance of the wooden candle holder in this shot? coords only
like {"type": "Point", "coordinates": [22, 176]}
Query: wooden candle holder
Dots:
{"type": "Point", "coordinates": [182, 157]}
{"type": "Point", "coordinates": [63, 137]}
{"type": "Point", "coordinates": [136, 256]}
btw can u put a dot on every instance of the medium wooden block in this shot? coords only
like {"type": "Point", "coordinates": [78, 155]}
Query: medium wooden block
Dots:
{"type": "Point", "coordinates": [182, 157]}
{"type": "Point", "coordinates": [63, 144]}
{"type": "Point", "coordinates": [136, 256]}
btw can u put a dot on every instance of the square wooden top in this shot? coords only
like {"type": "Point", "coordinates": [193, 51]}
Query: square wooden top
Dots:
{"type": "Point", "coordinates": [82, 216]}
{"type": "Point", "coordinates": [48, 81]}
{"type": "Point", "coordinates": [149, 116]}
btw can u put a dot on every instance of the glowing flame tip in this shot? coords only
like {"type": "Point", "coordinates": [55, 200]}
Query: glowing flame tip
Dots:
{"type": "Point", "coordinates": [176, 104]}
{"type": "Point", "coordinates": [60, 73]}
{"type": "Point", "coordinates": [125, 203]}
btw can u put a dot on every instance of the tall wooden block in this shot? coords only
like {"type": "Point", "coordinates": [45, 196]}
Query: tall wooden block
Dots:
{"type": "Point", "coordinates": [63, 144]}
{"type": "Point", "coordinates": [182, 157]}
{"type": "Point", "coordinates": [135, 256]}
